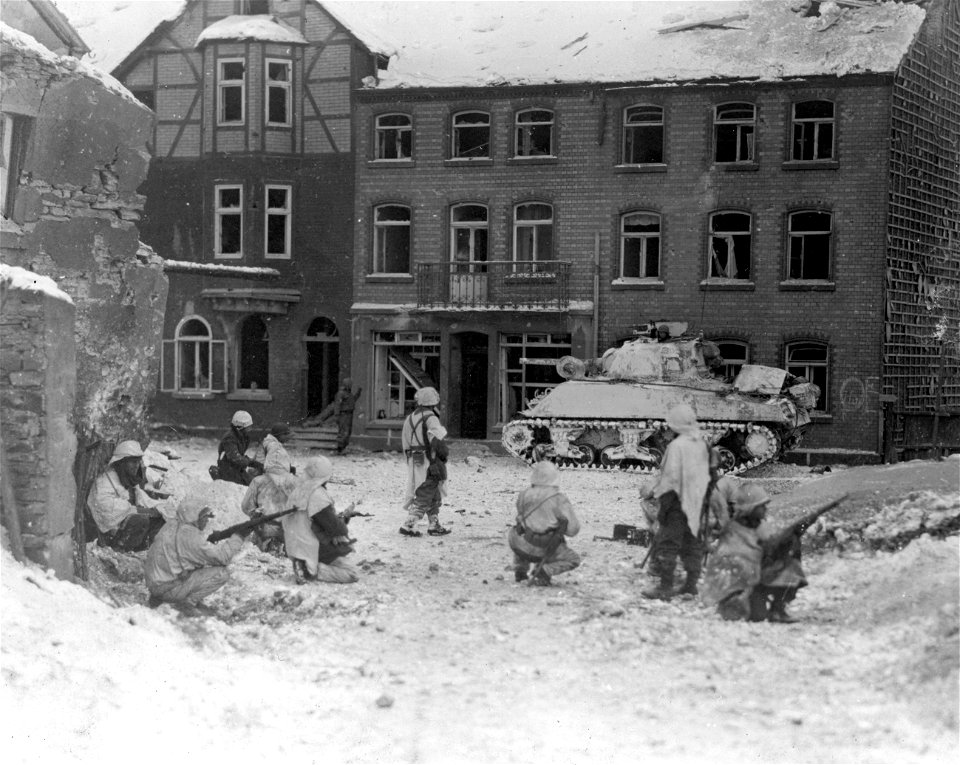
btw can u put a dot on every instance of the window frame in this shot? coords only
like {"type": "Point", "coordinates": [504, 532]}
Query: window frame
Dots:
{"type": "Point", "coordinates": [816, 123]}
{"type": "Point", "coordinates": [535, 224]}
{"type": "Point", "coordinates": [522, 133]}
{"type": "Point", "coordinates": [629, 129]}
{"type": "Point", "coordinates": [220, 213]}
{"type": "Point", "coordinates": [223, 84]}
{"type": "Point", "coordinates": [14, 138]}
{"type": "Point", "coordinates": [554, 345]}
{"type": "Point", "coordinates": [472, 227]}
{"type": "Point", "coordinates": [285, 86]}
{"type": "Point", "coordinates": [241, 354]}
{"type": "Point", "coordinates": [794, 236]}
{"type": "Point", "coordinates": [732, 365]}
{"type": "Point", "coordinates": [745, 130]}
{"type": "Point", "coordinates": [713, 233]}
{"type": "Point", "coordinates": [380, 229]}
{"type": "Point", "coordinates": [388, 374]}
{"type": "Point", "coordinates": [286, 212]}
{"type": "Point", "coordinates": [173, 352]}
{"type": "Point", "coordinates": [823, 402]}
{"type": "Point", "coordinates": [400, 132]}
{"type": "Point", "coordinates": [455, 152]}
{"type": "Point", "coordinates": [644, 254]}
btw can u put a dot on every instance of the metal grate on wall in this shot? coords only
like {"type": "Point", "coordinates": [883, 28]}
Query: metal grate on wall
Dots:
{"type": "Point", "coordinates": [922, 342]}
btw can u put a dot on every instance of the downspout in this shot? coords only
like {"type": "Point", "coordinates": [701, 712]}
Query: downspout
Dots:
{"type": "Point", "coordinates": [596, 295]}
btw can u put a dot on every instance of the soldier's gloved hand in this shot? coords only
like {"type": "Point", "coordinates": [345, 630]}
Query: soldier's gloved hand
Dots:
{"type": "Point", "coordinates": [256, 465]}
{"type": "Point", "coordinates": [341, 540]}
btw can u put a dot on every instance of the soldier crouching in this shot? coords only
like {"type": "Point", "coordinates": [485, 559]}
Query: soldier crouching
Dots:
{"type": "Point", "coordinates": [544, 517]}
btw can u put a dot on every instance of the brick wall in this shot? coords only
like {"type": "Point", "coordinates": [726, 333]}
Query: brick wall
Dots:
{"type": "Point", "coordinates": [37, 382]}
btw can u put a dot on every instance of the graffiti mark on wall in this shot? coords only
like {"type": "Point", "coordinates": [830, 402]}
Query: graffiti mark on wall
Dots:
{"type": "Point", "coordinates": [860, 395]}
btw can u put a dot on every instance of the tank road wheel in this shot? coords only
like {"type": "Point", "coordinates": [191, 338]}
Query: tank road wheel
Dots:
{"type": "Point", "coordinates": [761, 444]}
{"type": "Point", "coordinates": [606, 458]}
{"type": "Point", "coordinates": [579, 455]}
{"type": "Point", "coordinates": [728, 460]}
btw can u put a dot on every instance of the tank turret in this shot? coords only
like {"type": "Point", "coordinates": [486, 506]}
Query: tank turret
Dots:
{"type": "Point", "coordinates": [610, 412]}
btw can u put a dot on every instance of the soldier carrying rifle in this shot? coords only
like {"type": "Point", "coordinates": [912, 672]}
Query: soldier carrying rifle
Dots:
{"type": "Point", "coordinates": [753, 571]}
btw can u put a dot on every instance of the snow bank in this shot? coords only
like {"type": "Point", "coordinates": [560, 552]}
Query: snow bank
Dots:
{"type": "Point", "coordinates": [263, 28]}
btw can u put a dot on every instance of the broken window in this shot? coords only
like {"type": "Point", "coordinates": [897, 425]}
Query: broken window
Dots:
{"type": "Point", "coordinates": [534, 136]}
{"type": "Point", "coordinates": [391, 240]}
{"type": "Point", "coordinates": [394, 136]}
{"type": "Point", "coordinates": [642, 135]}
{"type": "Point", "coordinates": [277, 212]}
{"type": "Point", "coordinates": [528, 368]}
{"type": "Point", "coordinates": [229, 225]}
{"type": "Point", "coordinates": [193, 362]}
{"type": "Point", "coordinates": [278, 92]}
{"type": "Point", "coordinates": [533, 232]}
{"type": "Point", "coordinates": [230, 91]}
{"type": "Point", "coordinates": [810, 359]}
{"type": "Point", "coordinates": [734, 125]}
{"type": "Point", "coordinates": [639, 245]}
{"type": "Point", "coordinates": [730, 245]}
{"type": "Point", "coordinates": [14, 134]}
{"type": "Point", "coordinates": [735, 354]}
{"type": "Point", "coordinates": [812, 131]}
{"type": "Point", "coordinates": [809, 242]}
{"type": "Point", "coordinates": [468, 234]}
{"type": "Point", "coordinates": [471, 135]}
{"type": "Point", "coordinates": [253, 355]}
{"type": "Point", "coordinates": [404, 362]}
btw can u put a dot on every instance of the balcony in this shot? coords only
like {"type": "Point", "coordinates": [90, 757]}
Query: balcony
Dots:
{"type": "Point", "coordinates": [494, 285]}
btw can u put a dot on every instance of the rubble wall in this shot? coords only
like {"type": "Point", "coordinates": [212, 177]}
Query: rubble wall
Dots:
{"type": "Point", "coordinates": [37, 383]}
{"type": "Point", "coordinates": [76, 210]}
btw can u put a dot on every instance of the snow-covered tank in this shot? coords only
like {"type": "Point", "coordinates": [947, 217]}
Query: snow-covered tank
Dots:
{"type": "Point", "coordinates": [610, 412]}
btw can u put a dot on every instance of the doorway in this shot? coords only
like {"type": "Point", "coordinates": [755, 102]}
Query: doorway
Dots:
{"type": "Point", "coordinates": [323, 364]}
{"type": "Point", "coordinates": [472, 350]}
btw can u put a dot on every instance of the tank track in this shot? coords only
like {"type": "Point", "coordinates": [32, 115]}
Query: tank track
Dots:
{"type": "Point", "coordinates": [519, 440]}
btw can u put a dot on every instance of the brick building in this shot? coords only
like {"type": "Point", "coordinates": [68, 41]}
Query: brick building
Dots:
{"type": "Point", "coordinates": [552, 212]}
{"type": "Point", "coordinates": [249, 200]}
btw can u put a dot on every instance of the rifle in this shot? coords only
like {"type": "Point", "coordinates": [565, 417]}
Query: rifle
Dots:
{"type": "Point", "coordinates": [242, 529]}
{"type": "Point", "coordinates": [798, 527]}
{"type": "Point", "coordinates": [552, 545]}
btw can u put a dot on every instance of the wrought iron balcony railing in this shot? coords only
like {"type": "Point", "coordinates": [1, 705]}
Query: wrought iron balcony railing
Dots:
{"type": "Point", "coordinates": [494, 284]}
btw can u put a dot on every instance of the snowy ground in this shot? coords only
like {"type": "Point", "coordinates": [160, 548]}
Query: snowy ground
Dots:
{"type": "Point", "coordinates": [437, 656]}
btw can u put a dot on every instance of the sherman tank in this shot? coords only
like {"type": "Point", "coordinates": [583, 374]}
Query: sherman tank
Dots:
{"type": "Point", "coordinates": [609, 414]}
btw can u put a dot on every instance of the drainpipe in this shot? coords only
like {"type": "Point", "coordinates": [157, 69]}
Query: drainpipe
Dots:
{"type": "Point", "coordinates": [596, 295]}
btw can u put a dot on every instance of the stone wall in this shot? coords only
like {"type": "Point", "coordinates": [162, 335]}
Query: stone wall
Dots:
{"type": "Point", "coordinates": [37, 382]}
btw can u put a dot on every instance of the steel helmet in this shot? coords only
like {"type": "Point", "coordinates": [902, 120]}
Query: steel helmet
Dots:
{"type": "Point", "coordinates": [747, 497]}
{"type": "Point", "coordinates": [126, 449]}
{"type": "Point", "coordinates": [318, 469]}
{"type": "Point", "coordinates": [427, 397]}
{"type": "Point", "coordinates": [545, 474]}
{"type": "Point", "coordinates": [241, 419]}
{"type": "Point", "coordinates": [682, 419]}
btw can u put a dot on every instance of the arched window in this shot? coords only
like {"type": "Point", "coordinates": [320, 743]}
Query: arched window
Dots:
{"type": "Point", "coordinates": [735, 126]}
{"type": "Point", "coordinates": [813, 131]}
{"type": "Point", "coordinates": [809, 234]}
{"type": "Point", "coordinates": [729, 245]}
{"type": "Point", "coordinates": [470, 135]}
{"type": "Point", "coordinates": [639, 245]}
{"type": "Point", "coordinates": [193, 362]}
{"type": "Point", "coordinates": [534, 133]}
{"type": "Point", "coordinates": [533, 232]}
{"type": "Point", "coordinates": [811, 359]}
{"type": "Point", "coordinates": [394, 136]}
{"type": "Point", "coordinates": [735, 354]}
{"type": "Point", "coordinates": [391, 239]}
{"type": "Point", "coordinates": [642, 135]}
{"type": "Point", "coordinates": [253, 354]}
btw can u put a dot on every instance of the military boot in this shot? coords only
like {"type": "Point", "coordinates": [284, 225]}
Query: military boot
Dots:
{"type": "Point", "coordinates": [778, 613]}
{"type": "Point", "coordinates": [663, 591]}
{"type": "Point", "coordinates": [690, 585]}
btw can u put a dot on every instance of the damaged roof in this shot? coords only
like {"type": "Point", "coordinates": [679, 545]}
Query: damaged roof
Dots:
{"type": "Point", "coordinates": [478, 44]}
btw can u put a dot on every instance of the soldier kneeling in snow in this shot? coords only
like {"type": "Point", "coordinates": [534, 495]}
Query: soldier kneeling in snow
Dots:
{"type": "Point", "coordinates": [316, 536]}
{"type": "Point", "coordinates": [182, 567]}
{"type": "Point", "coordinates": [752, 573]}
{"type": "Point", "coordinates": [544, 517]}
